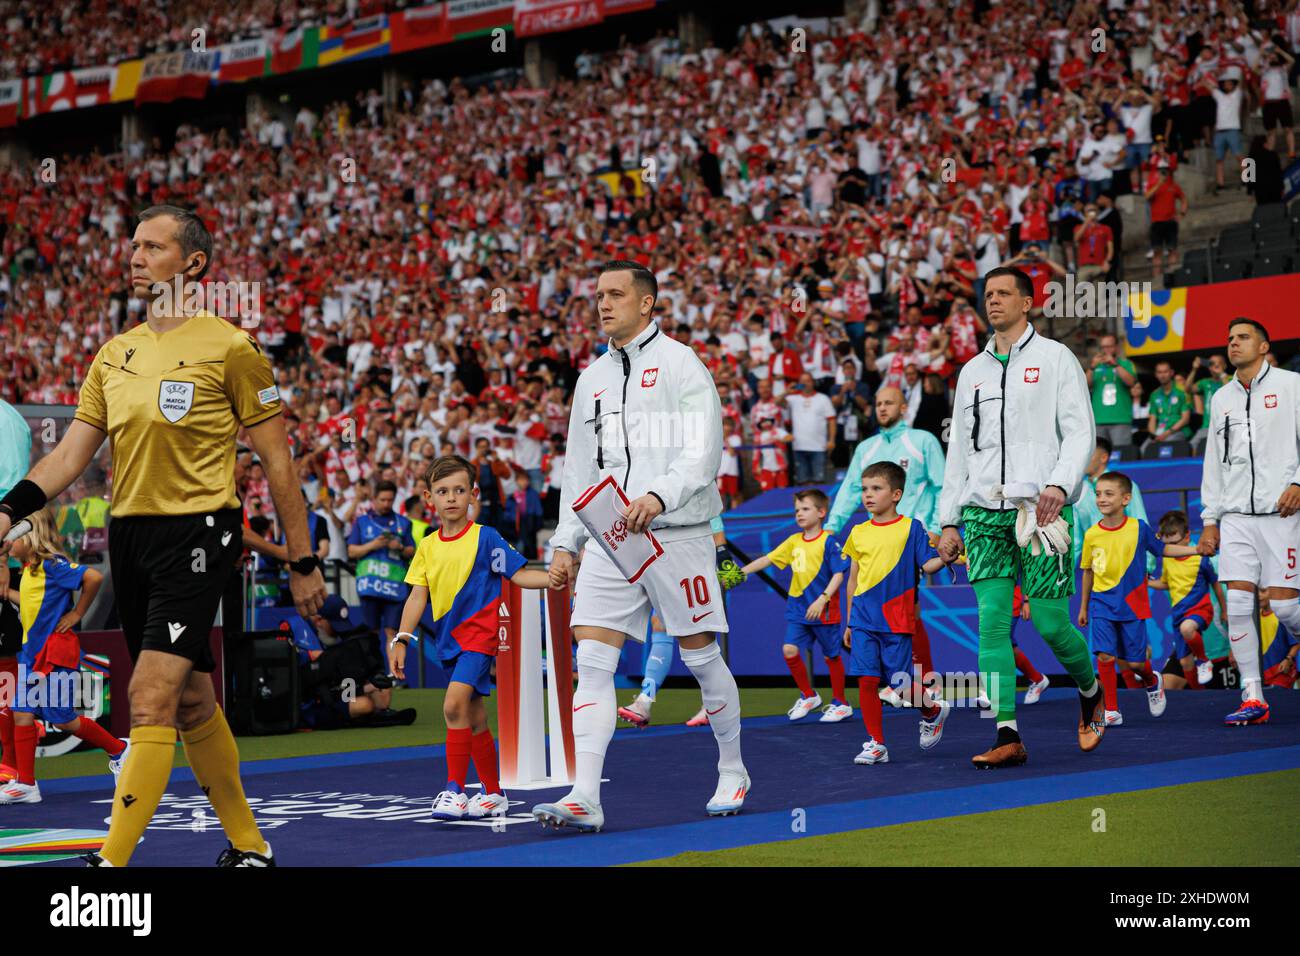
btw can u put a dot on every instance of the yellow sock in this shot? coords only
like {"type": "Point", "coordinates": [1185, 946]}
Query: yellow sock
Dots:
{"type": "Point", "coordinates": [141, 786]}
{"type": "Point", "coordinates": [214, 758]}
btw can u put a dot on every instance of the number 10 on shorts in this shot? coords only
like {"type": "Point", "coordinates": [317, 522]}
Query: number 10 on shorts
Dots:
{"type": "Point", "coordinates": [699, 586]}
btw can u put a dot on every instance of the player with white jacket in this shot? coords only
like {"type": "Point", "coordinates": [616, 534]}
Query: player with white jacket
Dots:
{"type": "Point", "coordinates": [647, 413]}
{"type": "Point", "coordinates": [1022, 436]}
{"type": "Point", "coordinates": [1250, 500]}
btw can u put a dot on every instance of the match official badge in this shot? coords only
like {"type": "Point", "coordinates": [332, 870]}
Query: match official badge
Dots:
{"type": "Point", "coordinates": [269, 396]}
{"type": "Point", "coordinates": [175, 399]}
{"type": "Point", "coordinates": [649, 377]}
{"type": "Point", "coordinates": [1270, 401]}
{"type": "Point", "coordinates": [1031, 375]}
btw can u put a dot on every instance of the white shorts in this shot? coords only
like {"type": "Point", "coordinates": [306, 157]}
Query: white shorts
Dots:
{"type": "Point", "coordinates": [682, 586]}
{"type": "Point", "coordinates": [1261, 549]}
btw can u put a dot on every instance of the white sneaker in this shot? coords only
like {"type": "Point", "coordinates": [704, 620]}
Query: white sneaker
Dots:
{"type": "Point", "coordinates": [1036, 690]}
{"type": "Point", "coordinates": [1204, 672]}
{"type": "Point", "coordinates": [1156, 699]}
{"type": "Point", "coordinates": [733, 785]}
{"type": "Point", "coordinates": [872, 752]}
{"type": "Point", "coordinates": [890, 697]}
{"type": "Point", "coordinates": [571, 811]}
{"type": "Point", "coordinates": [834, 713]}
{"type": "Point", "coordinates": [932, 730]}
{"type": "Point", "coordinates": [487, 805]}
{"type": "Point", "coordinates": [804, 706]}
{"type": "Point", "coordinates": [115, 764]}
{"type": "Point", "coordinates": [1114, 718]}
{"type": "Point", "coordinates": [983, 703]}
{"type": "Point", "coordinates": [16, 792]}
{"type": "Point", "coordinates": [701, 719]}
{"type": "Point", "coordinates": [637, 713]}
{"type": "Point", "coordinates": [450, 806]}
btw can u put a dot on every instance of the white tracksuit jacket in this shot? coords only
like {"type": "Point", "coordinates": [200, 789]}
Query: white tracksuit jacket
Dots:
{"type": "Point", "coordinates": [1028, 421]}
{"type": "Point", "coordinates": [650, 416]}
{"type": "Point", "coordinates": [1253, 450]}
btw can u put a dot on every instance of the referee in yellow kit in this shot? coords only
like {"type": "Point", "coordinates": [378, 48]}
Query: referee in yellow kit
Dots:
{"type": "Point", "coordinates": [171, 394]}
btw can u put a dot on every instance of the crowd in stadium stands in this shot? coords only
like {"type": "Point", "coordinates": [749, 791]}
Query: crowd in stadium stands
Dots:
{"type": "Point", "coordinates": [819, 224]}
{"type": "Point", "coordinates": [41, 38]}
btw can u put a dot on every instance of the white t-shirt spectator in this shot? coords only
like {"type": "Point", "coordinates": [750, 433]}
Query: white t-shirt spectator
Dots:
{"type": "Point", "coordinates": [1137, 119]}
{"type": "Point", "coordinates": [1276, 86]}
{"type": "Point", "coordinates": [810, 416]}
{"type": "Point", "coordinates": [1227, 114]}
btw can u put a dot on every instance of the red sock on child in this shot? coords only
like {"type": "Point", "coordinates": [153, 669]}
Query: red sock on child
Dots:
{"type": "Point", "coordinates": [1189, 675]}
{"type": "Point", "coordinates": [1026, 667]}
{"type": "Point", "coordinates": [1148, 676]}
{"type": "Point", "coordinates": [458, 749]}
{"type": "Point", "coordinates": [869, 703]}
{"type": "Point", "coordinates": [97, 736]}
{"type": "Point", "coordinates": [800, 674]}
{"type": "Point", "coordinates": [1106, 673]}
{"type": "Point", "coordinates": [836, 666]}
{"type": "Point", "coordinates": [1131, 680]}
{"type": "Point", "coordinates": [7, 757]}
{"type": "Point", "coordinates": [921, 648]}
{"type": "Point", "coordinates": [25, 753]}
{"type": "Point", "coordinates": [483, 750]}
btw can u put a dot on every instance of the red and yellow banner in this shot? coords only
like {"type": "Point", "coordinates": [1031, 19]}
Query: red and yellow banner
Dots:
{"type": "Point", "coordinates": [1196, 317]}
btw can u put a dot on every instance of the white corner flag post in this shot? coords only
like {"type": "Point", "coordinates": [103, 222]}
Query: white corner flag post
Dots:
{"type": "Point", "coordinates": [521, 708]}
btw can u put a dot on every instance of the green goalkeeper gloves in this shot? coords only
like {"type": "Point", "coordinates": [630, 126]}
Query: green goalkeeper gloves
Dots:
{"type": "Point", "coordinates": [729, 573]}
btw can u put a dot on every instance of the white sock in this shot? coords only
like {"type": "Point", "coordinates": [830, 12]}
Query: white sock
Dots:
{"type": "Point", "coordinates": [595, 711]}
{"type": "Point", "coordinates": [1010, 724]}
{"type": "Point", "coordinates": [721, 701]}
{"type": "Point", "coordinates": [1243, 639]}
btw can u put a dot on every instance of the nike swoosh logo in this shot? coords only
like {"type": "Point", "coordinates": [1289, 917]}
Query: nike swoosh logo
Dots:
{"type": "Point", "coordinates": [1289, 577]}
{"type": "Point", "coordinates": [601, 392]}
{"type": "Point", "coordinates": [712, 712]}
{"type": "Point", "coordinates": [1237, 637]}
{"type": "Point", "coordinates": [576, 709]}
{"type": "Point", "coordinates": [696, 619]}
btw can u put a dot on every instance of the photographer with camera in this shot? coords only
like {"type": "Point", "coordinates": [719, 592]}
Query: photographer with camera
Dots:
{"type": "Point", "coordinates": [344, 681]}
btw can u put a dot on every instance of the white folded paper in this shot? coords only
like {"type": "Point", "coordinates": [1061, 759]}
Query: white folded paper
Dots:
{"type": "Point", "coordinates": [602, 509]}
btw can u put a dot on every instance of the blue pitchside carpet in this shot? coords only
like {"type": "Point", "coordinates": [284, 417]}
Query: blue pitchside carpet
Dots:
{"type": "Point", "coordinates": [372, 807]}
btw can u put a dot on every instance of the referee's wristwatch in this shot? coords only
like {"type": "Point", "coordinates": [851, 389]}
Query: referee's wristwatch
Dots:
{"type": "Point", "coordinates": [306, 565]}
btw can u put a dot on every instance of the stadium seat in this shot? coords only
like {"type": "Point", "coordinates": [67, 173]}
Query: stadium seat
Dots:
{"type": "Point", "coordinates": [1230, 268]}
{"type": "Point", "coordinates": [1269, 265]}
{"type": "Point", "coordinates": [1235, 239]}
{"type": "Point", "coordinates": [1270, 212]}
{"type": "Point", "coordinates": [1126, 453]}
{"type": "Point", "coordinates": [1167, 449]}
{"type": "Point", "coordinates": [1195, 268]}
{"type": "Point", "coordinates": [1273, 233]}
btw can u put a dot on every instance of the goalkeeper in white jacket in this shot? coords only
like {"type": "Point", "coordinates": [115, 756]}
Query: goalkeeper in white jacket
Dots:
{"type": "Point", "coordinates": [1022, 435]}
{"type": "Point", "coordinates": [646, 413]}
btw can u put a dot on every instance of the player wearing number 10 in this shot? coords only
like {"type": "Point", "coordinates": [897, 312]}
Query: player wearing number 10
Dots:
{"type": "Point", "coordinates": [668, 473]}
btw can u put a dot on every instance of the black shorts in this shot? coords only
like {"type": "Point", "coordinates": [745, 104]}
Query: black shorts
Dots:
{"type": "Point", "coordinates": [1173, 666]}
{"type": "Point", "coordinates": [1277, 113]}
{"type": "Point", "coordinates": [1164, 235]}
{"type": "Point", "coordinates": [168, 577]}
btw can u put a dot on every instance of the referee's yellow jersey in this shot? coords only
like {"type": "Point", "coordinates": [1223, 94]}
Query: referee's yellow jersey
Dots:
{"type": "Point", "coordinates": [171, 404]}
